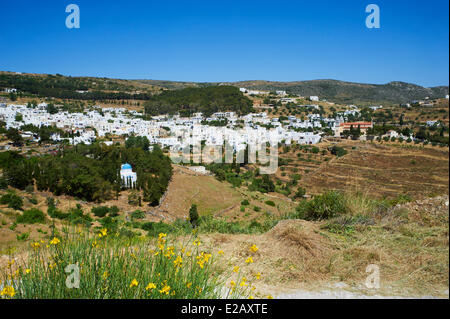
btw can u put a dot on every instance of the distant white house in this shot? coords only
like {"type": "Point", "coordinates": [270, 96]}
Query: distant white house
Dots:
{"type": "Point", "coordinates": [282, 93]}
{"type": "Point", "coordinates": [199, 169]}
{"type": "Point", "coordinates": [314, 98]}
{"type": "Point", "coordinates": [129, 178]}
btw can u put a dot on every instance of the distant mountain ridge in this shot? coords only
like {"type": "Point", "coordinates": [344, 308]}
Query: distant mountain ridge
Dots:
{"type": "Point", "coordinates": [332, 90]}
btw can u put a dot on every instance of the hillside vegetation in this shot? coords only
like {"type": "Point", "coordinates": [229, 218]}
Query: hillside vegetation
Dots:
{"type": "Point", "coordinates": [207, 100]}
{"type": "Point", "coordinates": [88, 172]}
{"type": "Point", "coordinates": [332, 90]}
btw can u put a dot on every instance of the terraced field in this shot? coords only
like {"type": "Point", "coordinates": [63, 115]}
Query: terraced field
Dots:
{"type": "Point", "coordinates": [383, 170]}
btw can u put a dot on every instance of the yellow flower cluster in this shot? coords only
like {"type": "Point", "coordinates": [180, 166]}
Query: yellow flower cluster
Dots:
{"type": "Point", "coordinates": [150, 286]}
{"type": "Point", "coordinates": [254, 249]}
{"type": "Point", "coordinates": [55, 241]}
{"type": "Point", "coordinates": [178, 262]}
{"type": "Point", "coordinates": [197, 242]}
{"type": "Point", "coordinates": [169, 252]}
{"type": "Point", "coordinates": [161, 241]}
{"type": "Point", "coordinates": [8, 291]}
{"type": "Point", "coordinates": [202, 259]}
{"type": "Point", "coordinates": [103, 233]}
{"type": "Point", "coordinates": [134, 283]}
{"type": "Point", "coordinates": [165, 290]}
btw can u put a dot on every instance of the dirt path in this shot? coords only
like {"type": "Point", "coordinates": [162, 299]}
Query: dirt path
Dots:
{"type": "Point", "coordinates": [339, 292]}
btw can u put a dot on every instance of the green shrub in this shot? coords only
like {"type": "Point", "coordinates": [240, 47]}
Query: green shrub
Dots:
{"type": "Point", "coordinates": [29, 189]}
{"type": "Point", "coordinates": [110, 223]}
{"type": "Point", "coordinates": [56, 213]}
{"type": "Point", "coordinates": [193, 216]}
{"type": "Point", "coordinates": [23, 237]}
{"type": "Point", "coordinates": [76, 216]}
{"type": "Point", "coordinates": [338, 151]}
{"type": "Point", "coordinates": [100, 211]}
{"type": "Point", "coordinates": [12, 200]}
{"type": "Point", "coordinates": [3, 183]}
{"type": "Point", "coordinates": [270, 203]}
{"type": "Point", "coordinates": [137, 214]}
{"type": "Point", "coordinates": [257, 209]}
{"type": "Point", "coordinates": [301, 192]}
{"type": "Point", "coordinates": [31, 216]}
{"type": "Point", "coordinates": [324, 206]}
{"type": "Point", "coordinates": [33, 200]}
{"type": "Point", "coordinates": [245, 203]}
{"type": "Point", "coordinates": [113, 211]}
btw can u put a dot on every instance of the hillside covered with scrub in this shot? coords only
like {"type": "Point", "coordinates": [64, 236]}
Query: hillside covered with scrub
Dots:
{"type": "Point", "coordinates": [88, 172]}
{"type": "Point", "coordinates": [330, 239]}
{"type": "Point", "coordinates": [207, 100]}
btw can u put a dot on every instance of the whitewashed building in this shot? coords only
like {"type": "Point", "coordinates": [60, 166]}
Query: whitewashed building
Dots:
{"type": "Point", "coordinates": [129, 178]}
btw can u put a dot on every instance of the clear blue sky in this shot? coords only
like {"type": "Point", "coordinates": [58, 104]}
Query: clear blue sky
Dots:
{"type": "Point", "coordinates": [196, 40]}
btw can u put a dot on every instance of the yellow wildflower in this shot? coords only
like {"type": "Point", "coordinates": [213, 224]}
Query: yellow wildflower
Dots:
{"type": "Point", "coordinates": [269, 297]}
{"type": "Point", "coordinates": [55, 241]}
{"type": "Point", "coordinates": [27, 271]}
{"type": "Point", "coordinates": [178, 262]}
{"type": "Point", "coordinates": [258, 276]}
{"type": "Point", "coordinates": [169, 252]}
{"type": "Point", "coordinates": [165, 290]}
{"type": "Point", "coordinates": [103, 233]}
{"type": "Point", "coordinates": [189, 284]}
{"type": "Point", "coordinates": [150, 286]}
{"type": "Point", "coordinates": [35, 245]}
{"type": "Point", "coordinates": [249, 260]}
{"type": "Point", "coordinates": [134, 283]}
{"type": "Point", "coordinates": [251, 297]}
{"type": "Point", "coordinates": [197, 242]}
{"type": "Point", "coordinates": [105, 275]}
{"type": "Point", "coordinates": [254, 249]}
{"type": "Point", "coordinates": [162, 236]}
{"type": "Point", "coordinates": [236, 269]}
{"type": "Point", "coordinates": [220, 252]}
{"type": "Point", "coordinates": [232, 284]}
{"type": "Point", "coordinates": [8, 291]}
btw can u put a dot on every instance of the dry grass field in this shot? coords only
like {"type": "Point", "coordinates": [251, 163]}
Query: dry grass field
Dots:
{"type": "Point", "coordinates": [379, 169]}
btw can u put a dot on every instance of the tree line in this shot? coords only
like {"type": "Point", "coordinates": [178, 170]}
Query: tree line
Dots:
{"type": "Point", "coordinates": [207, 100]}
{"type": "Point", "coordinates": [89, 172]}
